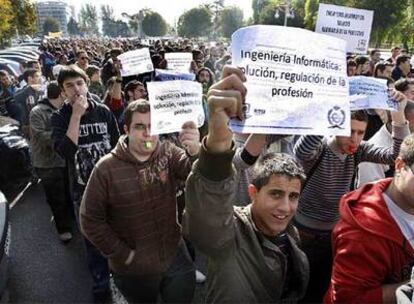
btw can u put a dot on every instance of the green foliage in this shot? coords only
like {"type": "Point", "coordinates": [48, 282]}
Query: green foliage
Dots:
{"type": "Point", "coordinates": [154, 24]}
{"type": "Point", "coordinates": [6, 17]}
{"type": "Point", "coordinates": [311, 13]}
{"type": "Point", "coordinates": [387, 14]}
{"type": "Point", "coordinates": [23, 18]}
{"type": "Point", "coordinates": [73, 27]}
{"type": "Point", "coordinates": [50, 25]}
{"type": "Point", "coordinates": [231, 19]}
{"type": "Point", "coordinates": [89, 20]}
{"type": "Point", "coordinates": [195, 22]}
{"type": "Point", "coordinates": [257, 6]}
{"type": "Point", "coordinates": [273, 12]}
{"type": "Point", "coordinates": [108, 20]}
{"type": "Point", "coordinates": [112, 27]}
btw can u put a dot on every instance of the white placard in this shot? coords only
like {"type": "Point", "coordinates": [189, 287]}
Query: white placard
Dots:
{"type": "Point", "coordinates": [179, 61]}
{"type": "Point", "coordinates": [370, 93]}
{"type": "Point", "coordinates": [167, 75]}
{"type": "Point", "coordinates": [350, 24]}
{"type": "Point", "coordinates": [174, 103]}
{"type": "Point", "coordinates": [136, 62]}
{"type": "Point", "coordinates": [296, 81]}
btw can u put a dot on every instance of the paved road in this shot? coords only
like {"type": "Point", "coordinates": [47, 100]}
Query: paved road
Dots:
{"type": "Point", "coordinates": [42, 269]}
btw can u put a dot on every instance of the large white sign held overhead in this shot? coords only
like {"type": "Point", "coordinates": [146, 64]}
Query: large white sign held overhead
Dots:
{"type": "Point", "coordinates": [351, 24]}
{"type": "Point", "coordinates": [296, 81]}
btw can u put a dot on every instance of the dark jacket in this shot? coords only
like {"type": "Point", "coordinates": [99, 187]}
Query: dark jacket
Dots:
{"type": "Point", "coordinates": [26, 99]}
{"type": "Point", "coordinates": [98, 135]}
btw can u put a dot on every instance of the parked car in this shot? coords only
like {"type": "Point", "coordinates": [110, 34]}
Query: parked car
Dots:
{"type": "Point", "coordinates": [36, 44]}
{"type": "Point", "coordinates": [9, 68]}
{"type": "Point", "coordinates": [15, 65]}
{"type": "Point", "coordinates": [4, 243]}
{"type": "Point", "coordinates": [25, 50]}
{"type": "Point", "coordinates": [19, 53]}
{"type": "Point", "coordinates": [17, 58]}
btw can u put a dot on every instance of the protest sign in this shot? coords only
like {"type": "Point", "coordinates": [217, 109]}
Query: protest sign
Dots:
{"type": "Point", "coordinates": [136, 62]}
{"type": "Point", "coordinates": [179, 61]}
{"type": "Point", "coordinates": [173, 103]}
{"type": "Point", "coordinates": [350, 24]}
{"type": "Point", "coordinates": [296, 81]}
{"type": "Point", "coordinates": [166, 75]}
{"type": "Point", "coordinates": [370, 93]}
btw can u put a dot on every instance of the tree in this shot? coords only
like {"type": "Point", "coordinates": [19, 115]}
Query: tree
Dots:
{"type": "Point", "coordinates": [257, 6]}
{"type": "Point", "coordinates": [311, 13]}
{"type": "Point", "coordinates": [154, 24]}
{"type": "Point", "coordinates": [50, 25]}
{"type": "Point", "coordinates": [24, 18]}
{"type": "Point", "coordinates": [273, 12]}
{"type": "Point", "coordinates": [121, 29]}
{"type": "Point", "coordinates": [89, 20]}
{"type": "Point", "coordinates": [6, 17]}
{"type": "Point", "coordinates": [231, 19]}
{"type": "Point", "coordinates": [73, 27]}
{"type": "Point", "coordinates": [135, 21]}
{"type": "Point", "coordinates": [195, 22]}
{"type": "Point", "coordinates": [387, 14]}
{"type": "Point", "coordinates": [108, 20]}
{"type": "Point", "coordinates": [404, 31]}
{"type": "Point", "coordinates": [215, 8]}
{"type": "Point", "coordinates": [112, 27]}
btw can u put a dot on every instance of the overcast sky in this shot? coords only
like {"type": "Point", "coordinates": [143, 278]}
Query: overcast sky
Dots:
{"type": "Point", "coordinates": [169, 9]}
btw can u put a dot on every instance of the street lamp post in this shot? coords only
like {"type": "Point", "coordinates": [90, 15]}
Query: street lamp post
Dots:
{"type": "Point", "coordinates": [288, 14]}
{"type": "Point", "coordinates": [287, 9]}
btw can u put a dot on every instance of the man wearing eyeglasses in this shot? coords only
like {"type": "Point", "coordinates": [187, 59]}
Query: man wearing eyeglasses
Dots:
{"type": "Point", "coordinates": [82, 60]}
{"type": "Point", "coordinates": [373, 243]}
{"type": "Point", "coordinates": [129, 211]}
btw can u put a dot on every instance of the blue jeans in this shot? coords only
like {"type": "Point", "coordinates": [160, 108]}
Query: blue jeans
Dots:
{"type": "Point", "coordinates": [97, 263]}
{"type": "Point", "coordinates": [176, 285]}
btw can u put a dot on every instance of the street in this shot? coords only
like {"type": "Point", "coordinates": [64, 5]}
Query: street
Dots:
{"type": "Point", "coordinates": [42, 269]}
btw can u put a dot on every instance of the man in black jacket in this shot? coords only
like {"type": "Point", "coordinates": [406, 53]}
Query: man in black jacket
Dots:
{"type": "Point", "coordinates": [84, 131]}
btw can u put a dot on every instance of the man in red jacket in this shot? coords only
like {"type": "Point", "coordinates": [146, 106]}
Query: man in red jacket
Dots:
{"type": "Point", "coordinates": [373, 243]}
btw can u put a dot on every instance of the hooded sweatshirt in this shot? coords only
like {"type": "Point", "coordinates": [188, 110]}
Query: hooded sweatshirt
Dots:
{"type": "Point", "coordinates": [131, 205]}
{"type": "Point", "coordinates": [43, 152]}
{"type": "Point", "coordinates": [369, 248]}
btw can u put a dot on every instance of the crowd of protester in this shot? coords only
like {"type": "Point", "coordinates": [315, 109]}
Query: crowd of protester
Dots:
{"type": "Point", "coordinates": [305, 219]}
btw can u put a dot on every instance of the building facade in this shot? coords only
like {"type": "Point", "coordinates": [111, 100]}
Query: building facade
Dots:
{"type": "Point", "coordinates": [60, 10]}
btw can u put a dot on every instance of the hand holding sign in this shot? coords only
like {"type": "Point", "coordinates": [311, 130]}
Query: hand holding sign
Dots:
{"type": "Point", "coordinates": [190, 138]}
{"type": "Point", "coordinates": [398, 116]}
{"type": "Point", "coordinates": [225, 101]}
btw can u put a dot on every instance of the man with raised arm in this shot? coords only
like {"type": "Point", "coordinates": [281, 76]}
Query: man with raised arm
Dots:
{"type": "Point", "coordinates": [252, 251]}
